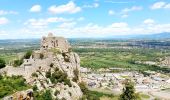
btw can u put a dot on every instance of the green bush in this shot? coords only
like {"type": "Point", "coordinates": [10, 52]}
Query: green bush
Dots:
{"type": "Point", "coordinates": [56, 92]}
{"type": "Point", "coordinates": [2, 63]}
{"type": "Point", "coordinates": [34, 74]}
{"type": "Point", "coordinates": [52, 64]}
{"type": "Point", "coordinates": [9, 85]}
{"type": "Point", "coordinates": [59, 76]}
{"type": "Point", "coordinates": [129, 92]}
{"type": "Point", "coordinates": [83, 87]}
{"type": "Point", "coordinates": [48, 74]}
{"type": "Point", "coordinates": [76, 75]}
{"type": "Point", "coordinates": [91, 95]}
{"type": "Point", "coordinates": [28, 54]}
{"type": "Point", "coordinates": [35, 88]}
{"type": "Point", "coordinates": [18, 62]}
{"type": "Point", "coordinates": [46, 95]}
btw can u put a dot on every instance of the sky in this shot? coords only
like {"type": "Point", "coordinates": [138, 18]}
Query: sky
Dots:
{"type": "Point", "coordinates": [21, 19]}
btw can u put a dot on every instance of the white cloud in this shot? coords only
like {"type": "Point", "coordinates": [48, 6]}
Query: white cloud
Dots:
{"type": "Point", "coordinates": [124, 16]}
{"type": "Point", "coordinates": [121, 28]}
{"type": "Point", "coordinates": [125, 12]}
{"type": "Point", "coordinates": [160, 5]}
{"type": "Point", "coordinates": [56, 19]}
{"type": "Point", "coordinates": [3, 33]}
{"type": "Point", "coordinates": [67, 25]}
{"type": "Point", "coordinates": [43, 23]}
{"type": "Point", "coordinates": [35, 8]}
{"type": "Point", "coordinates": [167, 6]}
{"type": "Point", "coordinates": [117, 2]}
{"type": "Point", "coordinates": [70, 7]}
{"type": "Point", "coordinates": [36, 23]}
{"type": "Point", "coordinates": [3, 20]}
{"type": "Point", "coordinates": [111, 12]}
{"type": "Point", "coordinates": [134, 8]}
{"type": "Point", "coordinates": [94, 5]}
{"type": "Point", "coordinates": [119, 25]}
{"type": "Point", "coordinates": [149, 21]}
{"type": "Point", "coordinates": [69, 28]}
{"type": "Point", "coordinates": [3, 12]}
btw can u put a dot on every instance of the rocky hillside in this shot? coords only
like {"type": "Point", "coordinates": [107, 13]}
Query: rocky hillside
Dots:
{"type": "Point", "coordinates": [53, 68]}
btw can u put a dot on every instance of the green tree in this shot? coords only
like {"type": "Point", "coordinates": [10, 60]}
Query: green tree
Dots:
{"type": "Point", "coordinates": [34, 74]}
{"type": "Point", "coordinates": [47, 95]}
{"type": "Point", "coordinates": [2, 63]}
{"type": "Point", "coordinates": [128, 92]}
{"type": "Point", "coordinates": [35, 88]}
{"type": "Point", "coordinates": [28, 54]}
{"type": "Point", "coordinates": [18, 62]}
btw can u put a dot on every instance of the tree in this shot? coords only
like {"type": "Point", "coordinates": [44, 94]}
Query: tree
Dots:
{"type": "Point", "coordinates": [128, 92]}
{"type": "Point", "coordinates": [34, 74]}
{"type": "Point", "coordinates": [47, 95]}
{"type": "Point", "coordinates": [2, 63]}
{"type": "Point", "coordinates": [18, 62]}
{"type": "Point", "coordinates": [28, 54]}
{"type": "Point", "coordinates": [1, 76]}
{"type": "Point", "coordinates": [35, 88]}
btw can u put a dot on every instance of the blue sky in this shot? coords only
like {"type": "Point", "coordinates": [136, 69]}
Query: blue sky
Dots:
{"type": "Point", "coordinates": [82, 18]}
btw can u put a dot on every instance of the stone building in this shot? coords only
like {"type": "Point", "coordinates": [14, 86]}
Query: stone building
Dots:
{"type": "Point", "coordinates": [51, 41]}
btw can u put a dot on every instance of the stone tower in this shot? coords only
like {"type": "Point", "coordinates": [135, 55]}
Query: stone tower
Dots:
{"type": "Point", "coordinates": [51, 41]}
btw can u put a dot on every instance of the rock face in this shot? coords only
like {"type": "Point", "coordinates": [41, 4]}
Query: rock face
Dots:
{"type": "Point", "coordinates": [166, 61]}
{"type": "Point", "coordinates": [21, 95]}
{"type": "Point", "coordinates": [54, 54]}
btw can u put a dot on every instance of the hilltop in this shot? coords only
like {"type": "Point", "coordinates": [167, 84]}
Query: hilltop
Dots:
{"type": "Point", "coordinates": [53, 67]}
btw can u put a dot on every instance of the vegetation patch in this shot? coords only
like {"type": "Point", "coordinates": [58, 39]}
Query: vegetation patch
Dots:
{"type": "Point", "coordinates": [9, 85]}
{"type": "Point", "coordinates": [58, 76]}
{"type": "Point", "coordinates": [92, 95]}
{"type": "Point", "coordinates": [2, 63]}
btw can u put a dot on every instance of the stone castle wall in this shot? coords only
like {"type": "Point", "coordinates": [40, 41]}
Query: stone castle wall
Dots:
{"type": "Point", "coordinates": [54, 42]}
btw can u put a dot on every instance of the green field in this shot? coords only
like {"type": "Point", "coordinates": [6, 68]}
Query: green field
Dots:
{"type": "Point", "coordinates": [121, 58]}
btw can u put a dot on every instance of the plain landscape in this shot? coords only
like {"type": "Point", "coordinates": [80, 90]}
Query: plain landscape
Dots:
{"type": "Point", "coordinates": [103, 59]}
{"type": "Point", "coordinates": [84, 50]}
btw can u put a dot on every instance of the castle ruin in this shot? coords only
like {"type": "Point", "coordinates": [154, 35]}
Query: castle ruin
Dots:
{"type": "Point", "coordinates": [51, 41]}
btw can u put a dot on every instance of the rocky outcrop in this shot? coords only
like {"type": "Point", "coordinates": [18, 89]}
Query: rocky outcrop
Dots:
{"type": "Point", "coordinates": [166, 61]}
{"type": "Point", "coordinates": [52, 67]}
{"type": "Point", "coordinates": [21, 95]}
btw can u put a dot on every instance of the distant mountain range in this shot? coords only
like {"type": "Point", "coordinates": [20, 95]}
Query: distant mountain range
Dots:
{"type": "Point", "coordinates": [165, 35]}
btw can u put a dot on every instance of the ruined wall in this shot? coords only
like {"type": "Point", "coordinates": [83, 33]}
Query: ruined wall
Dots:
{"type": "Point", "coordinates": [54, 42]}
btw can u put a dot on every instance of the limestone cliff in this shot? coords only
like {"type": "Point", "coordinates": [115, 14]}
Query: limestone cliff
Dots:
{"type": "Point", "coordinates": [52, 67]}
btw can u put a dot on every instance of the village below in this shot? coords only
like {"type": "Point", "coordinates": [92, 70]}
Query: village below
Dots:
{"type": "Point", "coordinates": [56, 72]}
